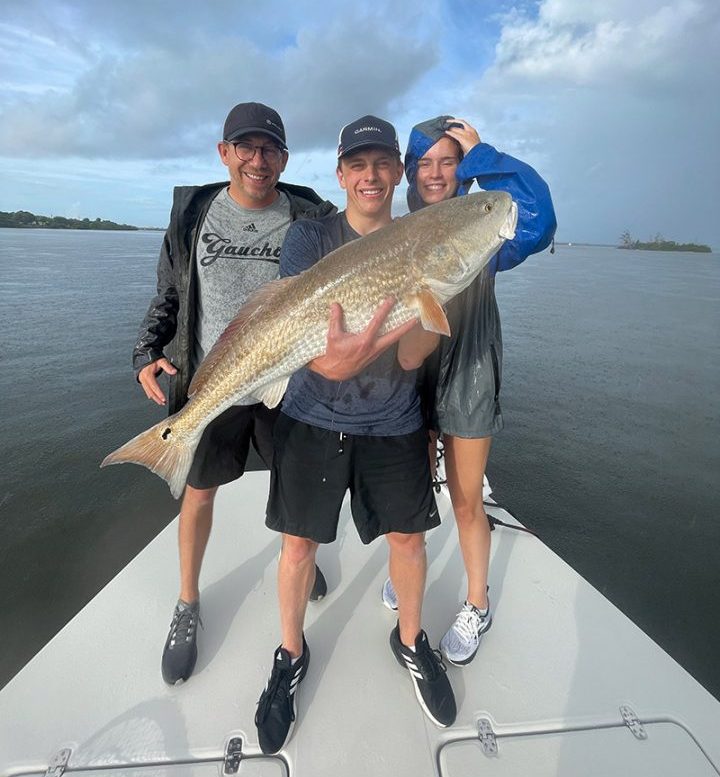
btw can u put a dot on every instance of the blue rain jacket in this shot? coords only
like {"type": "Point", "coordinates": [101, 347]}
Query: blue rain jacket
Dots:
{"type": "Point", "coordinates": [460, 381]}
{"type": "Point", "coordinates": [492, 170]}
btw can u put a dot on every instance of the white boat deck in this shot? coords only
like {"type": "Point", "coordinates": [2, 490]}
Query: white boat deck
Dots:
{"type": "Point", "coordinates": [547, 686]}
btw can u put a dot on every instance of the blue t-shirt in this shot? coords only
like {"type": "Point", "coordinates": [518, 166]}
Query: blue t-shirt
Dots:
{"type": "Point", "coordinates": [381, 400]}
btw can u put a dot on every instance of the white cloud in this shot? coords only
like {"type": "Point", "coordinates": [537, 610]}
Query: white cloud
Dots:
{"type": "Point", "coordinates": [654, 44]}
{"type": "Point", "coordinates": [614, 103]}
{"type": "Point", "coordinates": [169, 96]}
{"type": "Point", "coordinates": [617, 108]}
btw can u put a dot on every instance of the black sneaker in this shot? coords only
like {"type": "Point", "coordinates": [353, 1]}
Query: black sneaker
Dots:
{"type": "Point", "coordinates": [180, 651]}
{"type": "Point", "coordinates": [427, 671]}
{"type": "Point", "coordinates": [275, 716]}
{"type": "Point", "coordinates": [319, 588]}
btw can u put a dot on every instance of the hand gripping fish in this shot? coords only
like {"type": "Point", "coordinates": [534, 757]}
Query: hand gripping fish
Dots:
{"type": "Point", "coordinates": [423, 260]}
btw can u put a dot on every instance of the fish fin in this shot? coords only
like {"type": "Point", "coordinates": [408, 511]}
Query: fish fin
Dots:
{"type": "Point", "coordinates": [272, 393]}
{"type": "Point", "coordinates": [432, 315]}
{"type": "Point", "coordinates": [248, 399]}
{"type": "Point", "coordinates": [163, 453]}
{"type": "Point", "coordinates": [259, 300]}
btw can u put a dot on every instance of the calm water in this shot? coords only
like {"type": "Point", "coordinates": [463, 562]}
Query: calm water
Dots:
{"type": "Point", "coordinates": [611, 448]}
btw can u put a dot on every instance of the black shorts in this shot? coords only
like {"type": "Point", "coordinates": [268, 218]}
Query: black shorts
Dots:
{"type": "Point", "coordinates": [388, 477]}
{"type": "Point", "coordinates": [222, 452]}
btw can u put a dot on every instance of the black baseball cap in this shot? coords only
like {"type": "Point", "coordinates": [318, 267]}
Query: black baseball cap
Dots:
{"type": "Point", "coordinates": [246, 118]}
{"type": "Point", "coordinates": [367, 131]}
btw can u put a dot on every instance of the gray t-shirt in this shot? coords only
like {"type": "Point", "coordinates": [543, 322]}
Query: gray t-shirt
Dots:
{"type": "Point", "coordinates": [382, 400]}
{"type": "Point", "coordinates": [238, 250]}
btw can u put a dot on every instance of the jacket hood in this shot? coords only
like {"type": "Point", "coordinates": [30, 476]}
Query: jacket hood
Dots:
{"type": "Point", "coordinates": [423, 137]}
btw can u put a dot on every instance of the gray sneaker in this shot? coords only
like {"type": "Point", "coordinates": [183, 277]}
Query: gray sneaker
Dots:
{"type": "Point", "coordinates": [180, 651]}
{"type": "Point", "coordinates": [389, 597]}
{"type": "Point", "coordinates": [462, 639]}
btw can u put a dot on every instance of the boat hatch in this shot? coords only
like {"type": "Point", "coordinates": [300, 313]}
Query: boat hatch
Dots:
{"type": "Point", "coordinates": [661, 748]}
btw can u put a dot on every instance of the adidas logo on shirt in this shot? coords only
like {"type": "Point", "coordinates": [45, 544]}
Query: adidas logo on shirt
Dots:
{"type": "Point", "coordinates": [249, 228]}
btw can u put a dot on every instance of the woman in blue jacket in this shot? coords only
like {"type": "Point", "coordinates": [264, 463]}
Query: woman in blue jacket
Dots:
{"type": "Point", "coordinates": [462, 378]}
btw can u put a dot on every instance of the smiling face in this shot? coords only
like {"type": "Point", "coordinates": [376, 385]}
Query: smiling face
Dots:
{"type": "Point", "coordinates": [369, 176]}
{"type": "Point", "coordinates": [435, 178]}
{"type": "Point", "coordinates": [252, 183]}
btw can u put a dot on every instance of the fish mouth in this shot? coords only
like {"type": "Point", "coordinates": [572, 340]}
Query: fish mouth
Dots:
{"type": "Point", "coordinates": [507, 230]}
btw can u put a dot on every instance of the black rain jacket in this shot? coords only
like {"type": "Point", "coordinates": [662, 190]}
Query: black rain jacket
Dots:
{"type": "Point", "coordinates": [168, 327]}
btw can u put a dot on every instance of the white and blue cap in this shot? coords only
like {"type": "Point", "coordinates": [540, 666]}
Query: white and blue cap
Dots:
{"type": "Point", "coordinates": [367, 131]}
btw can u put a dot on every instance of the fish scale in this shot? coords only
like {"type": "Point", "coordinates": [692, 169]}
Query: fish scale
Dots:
{"type": "Point", "coordinates": [422, 260]}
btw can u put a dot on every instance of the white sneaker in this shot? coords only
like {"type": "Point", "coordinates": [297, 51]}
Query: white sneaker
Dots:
{"type": "Point", "coordinates": [462, 639]}
{"type": "Point", "coordinates": [389, 597]}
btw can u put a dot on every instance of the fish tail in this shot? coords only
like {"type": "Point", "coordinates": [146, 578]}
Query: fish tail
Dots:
{"type": "Point", "coordinates": [166, 454]}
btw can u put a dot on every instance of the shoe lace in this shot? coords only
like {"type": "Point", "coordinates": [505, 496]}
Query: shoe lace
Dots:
{"type": "Point", "coordinates": [467, 624]}
{"type": "Point", "coordinates": [183, 625]}
{"type": "Point", "coordinates": [278, 687]}
{"type": "Point", "coordinates": [429, 662]}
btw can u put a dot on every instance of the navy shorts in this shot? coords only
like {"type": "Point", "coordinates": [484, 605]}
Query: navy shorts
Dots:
{"type": "Point", "coordinates": [388, 478]}
{"type": "Point", "coordinates": [222, 453]}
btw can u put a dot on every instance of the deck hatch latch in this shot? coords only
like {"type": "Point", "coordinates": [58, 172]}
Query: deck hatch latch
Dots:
{"type": "Point", "coordinates": [487, 738]}
{"type": "Point", "coordinates": [58, 763]}
{"type": "Point", "coordinates": [631, 721]}
{"type": "Point", "coordinates": [233, 756]}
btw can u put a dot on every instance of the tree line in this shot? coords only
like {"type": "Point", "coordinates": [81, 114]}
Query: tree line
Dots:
{"type": "Point", "coordinates": [659, 243]}
{"type": "Point", "coordinates": [25, 219]}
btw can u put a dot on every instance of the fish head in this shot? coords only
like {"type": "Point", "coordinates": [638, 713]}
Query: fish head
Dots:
{"type": "Point", "coordinates": [460, 236]}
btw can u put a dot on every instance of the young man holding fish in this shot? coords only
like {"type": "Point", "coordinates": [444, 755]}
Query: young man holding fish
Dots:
{"type": "Point", "coordinates": [223, 242]}
{"type": "Point", "coordinates": [351, 420]}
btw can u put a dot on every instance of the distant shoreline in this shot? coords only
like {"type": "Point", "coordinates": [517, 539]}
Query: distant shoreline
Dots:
{"type": "Point", "coordinates": [118, 228]}
{"type": "Point", "coordinates": [686, 247]}
{"type": "Point", "coordinates": [659, 243]}
{"type": "Point", "coordinates": [86, 229]}
{"type": "Point", "coordinates": [31, 221]}
{"type": "Point", "coordinates": [23, 219]}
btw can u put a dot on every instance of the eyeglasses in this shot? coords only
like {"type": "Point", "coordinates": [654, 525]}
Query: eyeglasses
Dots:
{"type": "Point", "coordinates": [246, 151]}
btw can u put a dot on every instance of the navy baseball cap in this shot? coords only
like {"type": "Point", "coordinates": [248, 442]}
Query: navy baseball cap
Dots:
{"type": "Point", "coordinates": [367, 131]}
{"type": "Point", "coordinates": [247, 118]}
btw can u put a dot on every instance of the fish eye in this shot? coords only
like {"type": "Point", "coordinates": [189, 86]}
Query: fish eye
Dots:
{"type": "Point", "coordinates": [166, 433]}
{"type": "Point", "coordinates": [487, 207]}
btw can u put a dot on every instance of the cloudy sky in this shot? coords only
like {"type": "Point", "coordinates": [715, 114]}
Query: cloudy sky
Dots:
{"type": "Point", "coordinates": [106, 105]}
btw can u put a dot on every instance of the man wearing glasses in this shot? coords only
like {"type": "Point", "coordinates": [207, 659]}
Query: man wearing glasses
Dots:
{"type": "Point", "coordinates": [223, 242]}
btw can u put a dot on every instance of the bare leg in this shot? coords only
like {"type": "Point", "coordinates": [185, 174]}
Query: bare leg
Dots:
{"type": "Point", "coordinates": [408, 566]}
{"type": "Point", "coordinates": [296, 574]}
{"type": "Point", "coordinates": [196, 515]}
{"type": "Point", "coordinates": [465, 461]}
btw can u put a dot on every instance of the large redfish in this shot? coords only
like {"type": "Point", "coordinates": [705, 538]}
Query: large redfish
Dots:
{"type": "Point", "coordinates": [422, 259]}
